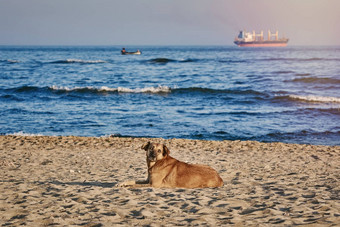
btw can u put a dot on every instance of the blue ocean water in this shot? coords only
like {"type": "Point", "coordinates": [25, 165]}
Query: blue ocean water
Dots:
{"type": "Point", "coordinates": [287, 94]}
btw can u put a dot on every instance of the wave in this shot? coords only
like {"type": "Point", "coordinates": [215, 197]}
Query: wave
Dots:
{"type": "Point", "coordinates": [317, 80]}
{"type": "Point", "coordinates": [160, 89]}
{"type": "Point", "coordinates": [26, 89]}
{"type": "Point", "coordinates": [233, 61]}
{"type": "Point", "coordinates": [98, 90]}
{"type": "Point", "coordinates": [9, 61]}
{"type": "Point", "coordinates": [104, 89]}
{"type": "Point", "coordinates": [160, 60]}
{"type": "Point", "coordinates": [168, 60]}
{"type": "Point", "coordinates": [220, 91]}
{"type": "Point", "coordinates": [189, 60]}
{"type": "Point", "coordinates": [79, 61]}
{"type": "Point", "coordinates": [314, 98]}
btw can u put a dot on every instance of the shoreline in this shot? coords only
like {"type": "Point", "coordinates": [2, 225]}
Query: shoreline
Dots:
{"type": "Point", "coordinates": [118, 135]}
{"type": "Point", "coordinates": [69, 180]}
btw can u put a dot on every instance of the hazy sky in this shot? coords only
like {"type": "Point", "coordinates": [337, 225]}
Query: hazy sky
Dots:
{"type": "Point", "coordinates": [165, 22]}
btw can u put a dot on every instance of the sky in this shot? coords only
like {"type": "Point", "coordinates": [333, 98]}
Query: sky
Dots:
{"type": "Point", "coordinates": [165, 22]}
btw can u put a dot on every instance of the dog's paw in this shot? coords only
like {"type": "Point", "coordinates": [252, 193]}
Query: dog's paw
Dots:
{"type": "Point", "coordinates": [126, 184]}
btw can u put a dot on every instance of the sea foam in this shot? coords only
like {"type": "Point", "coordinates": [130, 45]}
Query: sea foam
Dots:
{"type": "Point", "coordinates": [158, 89]}
{"type": "Point", "coordinates": [314, 98]}
{"type": "Point", "coordinates": [23, 134]}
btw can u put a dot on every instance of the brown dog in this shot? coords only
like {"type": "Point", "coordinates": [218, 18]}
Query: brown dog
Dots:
{"type": "Point", "coordinates": [167, 172]}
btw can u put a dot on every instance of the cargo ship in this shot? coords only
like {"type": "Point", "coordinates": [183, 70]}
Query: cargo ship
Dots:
{"type": "Point", "coordinates": [248, 39]}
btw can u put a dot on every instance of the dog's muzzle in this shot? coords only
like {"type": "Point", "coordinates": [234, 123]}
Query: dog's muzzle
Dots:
{"type": "Point", "coordinates": [151, 155]}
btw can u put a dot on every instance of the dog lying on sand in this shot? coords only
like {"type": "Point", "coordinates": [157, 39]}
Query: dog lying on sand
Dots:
{"type": "Point", "coordinates": [167, 172]}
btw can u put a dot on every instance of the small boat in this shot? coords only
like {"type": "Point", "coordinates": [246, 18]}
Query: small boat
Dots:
{"type": "Point", "coordinates": [138, 52]}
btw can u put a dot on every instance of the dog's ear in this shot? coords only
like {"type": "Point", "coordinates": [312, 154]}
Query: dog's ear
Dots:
{"type": "Point", "coordinates": [146, 146]}
{"type": "Point", "coordinates": [166, 151]}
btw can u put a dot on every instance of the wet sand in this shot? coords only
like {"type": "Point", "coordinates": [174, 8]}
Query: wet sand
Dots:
{"type": "Point", "coordinates": [71, 181]}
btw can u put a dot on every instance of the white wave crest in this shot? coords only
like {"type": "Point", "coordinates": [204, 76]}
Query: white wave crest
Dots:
{"type": "Point", "coordinates": [159, 89]}
{"type": "Point", "coordinates": [314, 98]}
{"type": "Point", "coordinates": [62, 88]}
{"type": "Point", "coordinates": [12, 61]}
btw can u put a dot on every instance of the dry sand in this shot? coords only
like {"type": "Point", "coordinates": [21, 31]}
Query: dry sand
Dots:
{"type": "Point", "coordinates": [71, 181]}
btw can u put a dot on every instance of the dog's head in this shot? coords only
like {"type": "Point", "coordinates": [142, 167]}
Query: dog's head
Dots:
{"type": "Point", "coordinates": [155, 151]}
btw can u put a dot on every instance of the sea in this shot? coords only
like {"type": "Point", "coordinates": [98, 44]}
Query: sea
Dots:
{"type": "Point", "coordinates": [289, 94]}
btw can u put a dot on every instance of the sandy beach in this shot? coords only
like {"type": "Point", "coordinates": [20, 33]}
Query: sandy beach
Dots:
{"type": "Point", "coordinates": [71, 181]}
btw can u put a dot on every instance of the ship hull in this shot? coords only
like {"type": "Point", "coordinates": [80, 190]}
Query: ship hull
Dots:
{"type": "Point", "coordinates": [261, 43]}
